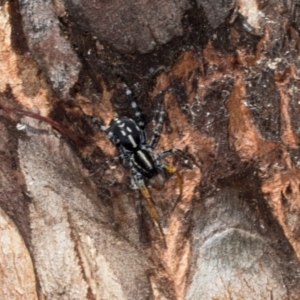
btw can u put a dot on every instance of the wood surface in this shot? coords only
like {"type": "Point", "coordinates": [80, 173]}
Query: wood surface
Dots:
{"type": "Point", "coordinates": [227, 74]}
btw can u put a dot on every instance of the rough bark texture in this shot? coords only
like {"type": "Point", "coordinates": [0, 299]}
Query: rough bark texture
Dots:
{"type": "Point", "coordinates": [227, 75]}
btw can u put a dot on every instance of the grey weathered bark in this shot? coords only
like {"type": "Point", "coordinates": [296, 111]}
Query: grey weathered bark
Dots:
{"type": "Point", "coordinates": [227, 74]}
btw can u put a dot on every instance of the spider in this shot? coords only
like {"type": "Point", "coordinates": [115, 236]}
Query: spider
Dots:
{"type": "Point", "coordinates": [129, 137]}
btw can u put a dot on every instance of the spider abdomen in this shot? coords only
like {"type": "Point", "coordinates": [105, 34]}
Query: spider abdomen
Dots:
{"type": "Point", "coordinates": [126, 132]}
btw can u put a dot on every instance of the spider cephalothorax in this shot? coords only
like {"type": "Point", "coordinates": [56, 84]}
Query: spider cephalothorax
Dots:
{"type": "Point", "coordinates": [130, 139]}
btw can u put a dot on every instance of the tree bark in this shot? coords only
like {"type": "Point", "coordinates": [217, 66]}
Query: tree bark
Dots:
{"type": "Point", "coordinates": [226, 73]}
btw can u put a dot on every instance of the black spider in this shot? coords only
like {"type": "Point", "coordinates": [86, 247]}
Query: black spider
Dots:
{"type": "Point", "coordinates": [129, 137]}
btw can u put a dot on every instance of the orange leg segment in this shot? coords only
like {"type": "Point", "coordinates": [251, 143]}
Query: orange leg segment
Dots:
{"type": "Point", "coordinates": [172, 170]}
{"type": "Point", "coordinates": [152, 210]}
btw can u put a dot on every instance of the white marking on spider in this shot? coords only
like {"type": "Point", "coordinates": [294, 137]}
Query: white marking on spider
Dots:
{"type": "Point", "coordinates": [21, 126]}
{"type": "Point", "coordinates": [144, 158]}
{"type": "Point", "coordinates": [128, 129]}
{"type": "Point", "coordinates": [132, 141]}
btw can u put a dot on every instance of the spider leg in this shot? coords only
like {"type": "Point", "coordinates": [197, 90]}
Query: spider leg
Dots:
{"type": "Point", "coordinates": [139, 181]}
{"type": "Point", "coordinates": [172, 170]}
{"type": "Point", "coordinates": [158, 128]}
{"type": "Point", "coordinates": [176, 151]}
{"type": "Point", "coordinates": [169, 152]}
{"type": "Point", "coordinates": [99, 124]}
{"type": "Point", "coordinates": [107, 131]}
{"type": "Point", "coordinates": [138, 116]}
